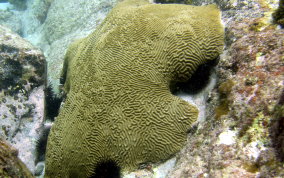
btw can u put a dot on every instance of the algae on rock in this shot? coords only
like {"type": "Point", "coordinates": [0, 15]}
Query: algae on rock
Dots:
{"type": "Point", "coordinates": [10, 164]}
{"type": "Point", "coordinates": [22, 79]}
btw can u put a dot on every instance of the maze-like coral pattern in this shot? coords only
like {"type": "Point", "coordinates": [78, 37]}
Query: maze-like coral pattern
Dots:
{"type": "Point", "coordinates": [119, 106]}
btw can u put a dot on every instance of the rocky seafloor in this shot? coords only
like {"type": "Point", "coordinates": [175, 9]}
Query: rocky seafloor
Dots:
{"type": "Point", "coordinates": [241, 130]}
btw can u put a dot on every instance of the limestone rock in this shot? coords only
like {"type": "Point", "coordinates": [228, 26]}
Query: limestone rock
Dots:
{"type": "Point", "coordinates": [33, 18]}
{"type": "Point", "coordinates": [22, 79]}
{"type": "Point", "coordinates": [11, 19]}
{"type": "Point", "coordinates": [24, 22]}
{"type": "Point", "coordinates": [19, 4]}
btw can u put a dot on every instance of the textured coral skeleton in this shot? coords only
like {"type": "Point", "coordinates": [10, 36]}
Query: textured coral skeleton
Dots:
{"type": "Point", "coordinates": [119, 106]}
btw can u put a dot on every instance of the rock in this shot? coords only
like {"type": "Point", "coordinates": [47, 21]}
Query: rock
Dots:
{"type": "Point", "coordinates": [10, 164]}
{"type": "Point", "coordinates": [33, 18]}
{"type": "Point", "coordinates": [173, 1]}
{"type": "Point", "coordinates": [19, 4]}
{"type": "Point", "coordinates": [24, 22]}
{"type": "Point", "coordinates": [157, 171]}
{"type": "Point", "coordinates": [10, 18]}
{"type": "Point", "coordinates": [223, 4]}
{"type": "Point", "coordinates": [22, 79]}
{"type": "Point", "coordinates": [65, 18]}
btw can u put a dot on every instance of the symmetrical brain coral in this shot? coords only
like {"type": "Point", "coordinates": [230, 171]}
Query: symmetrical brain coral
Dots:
{"type": "Point", "coordinates": [119, 106]}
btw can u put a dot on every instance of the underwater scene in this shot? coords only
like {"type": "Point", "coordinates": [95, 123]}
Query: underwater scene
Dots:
{"type": "Point", "coordinates": [141, 88]}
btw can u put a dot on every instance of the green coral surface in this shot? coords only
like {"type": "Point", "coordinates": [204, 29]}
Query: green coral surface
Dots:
{"type": "Point", "coordinates": [119, 106]}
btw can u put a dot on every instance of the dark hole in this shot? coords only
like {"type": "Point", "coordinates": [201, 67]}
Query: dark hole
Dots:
{"type": "Point", "coordinates": [277, 129]}
{"type": "Point", "coordinates": [41, 143]}
{"type": "Point", "coordinates": [53, 103]}
{"type": "Point", "coordinates": [107, 169]}
{"type": "Point", "coordinates": [198, 80]}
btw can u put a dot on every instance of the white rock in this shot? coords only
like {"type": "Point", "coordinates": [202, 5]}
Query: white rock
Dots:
{"type": "Point", "coordinates": [227, 138]}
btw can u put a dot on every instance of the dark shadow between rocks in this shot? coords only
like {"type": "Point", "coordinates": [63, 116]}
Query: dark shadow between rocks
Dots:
{"type": "Point", "coordinates": [52, 106]}
{"type": "Point", "coordinates": [52, 102]}
{"type": "Point", "coordinates": [278, 15]}
{"type": "Point", "coordinates": [41, 143]}
{"type": "Point", "coordinates": [107, 169]}
{"type": "Point", "coordinates": [277, 129]}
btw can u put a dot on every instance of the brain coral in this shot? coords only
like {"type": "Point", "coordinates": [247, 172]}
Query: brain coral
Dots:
{"type": "Point", "coordinates": [119, 106]}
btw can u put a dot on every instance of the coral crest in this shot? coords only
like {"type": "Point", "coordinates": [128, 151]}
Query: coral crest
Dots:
{"type": "Point", "coordinates": [119, 106]}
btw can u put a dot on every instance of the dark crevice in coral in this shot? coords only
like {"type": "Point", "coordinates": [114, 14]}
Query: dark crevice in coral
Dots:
{"type": "Point", "coordinates": [52, 102]}
{"type": "Point", "coordinates": [52, 106]}
{"type": "Point", "coordinates": [193, 129]}
{"type": "Point", "coordinates": [41, 143]}
{"type": "Point", "coordinates": [64, 73]}
{"type": "Point", "coordinates": [198, 80]}
{"type": "Point", "coordinates": [277, 129]}
{"type": "Point", "coordinates": [107, 169]}
{"type": "Point", "coordinates": [278, 15]}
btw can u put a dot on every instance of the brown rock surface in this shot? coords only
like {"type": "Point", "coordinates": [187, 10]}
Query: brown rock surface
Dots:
{"type": "Point", "coordinates": [10, 164]}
